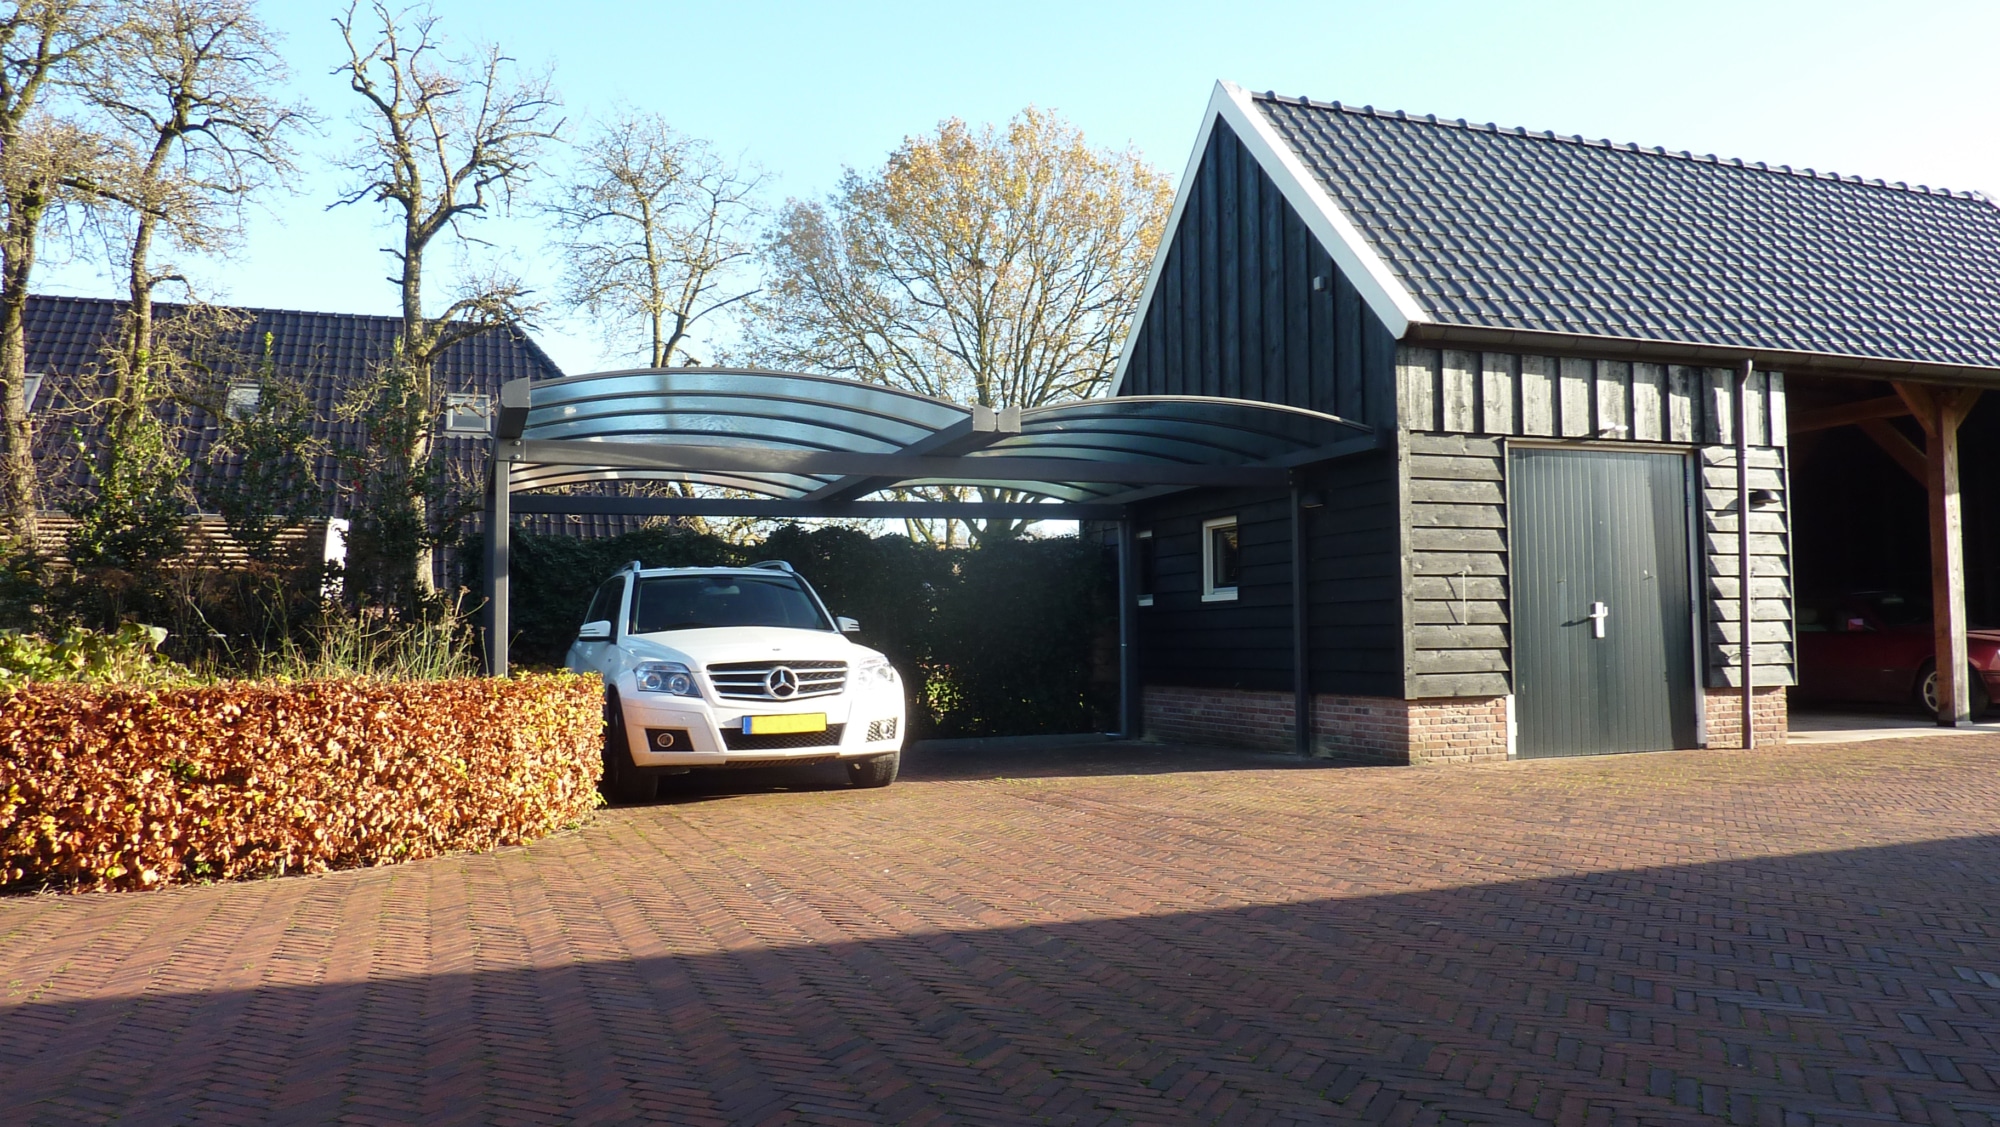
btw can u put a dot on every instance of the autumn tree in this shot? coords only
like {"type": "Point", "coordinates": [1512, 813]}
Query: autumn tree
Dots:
{"type": "Point", "coordinates": [447, 139]}
{"type": "Point", "coordinates": [187, 92]}
{"type": "Point", "coordinates": [45, 45]}
{"type": "Point", "coordinates": [990, 266]}
{"type": "Point", "coordinates": [653, 228]}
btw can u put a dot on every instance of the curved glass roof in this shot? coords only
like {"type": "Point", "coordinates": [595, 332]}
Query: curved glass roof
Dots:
{"type": "Point", "coordinates": [794, 436]}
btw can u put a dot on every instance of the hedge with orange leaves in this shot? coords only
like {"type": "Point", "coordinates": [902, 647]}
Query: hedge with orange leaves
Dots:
{"type": "Point", "coordinates": [106, 786]}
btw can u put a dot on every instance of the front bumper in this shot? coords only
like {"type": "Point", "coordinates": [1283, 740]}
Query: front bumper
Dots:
{"type": "Point", "coordinates": [670, 731]}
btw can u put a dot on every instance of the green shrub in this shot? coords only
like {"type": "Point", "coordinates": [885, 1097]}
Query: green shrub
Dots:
{"type": "Point", "coordinates": [127, 655]}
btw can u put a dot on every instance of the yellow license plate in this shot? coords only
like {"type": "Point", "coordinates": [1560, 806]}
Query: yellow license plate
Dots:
{"type": "Point", "coordinates": [784, 725]}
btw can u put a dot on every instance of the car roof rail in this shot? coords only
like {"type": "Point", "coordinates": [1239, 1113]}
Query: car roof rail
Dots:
{"type": "Point", "coordinates": [776, 565]}
{"type": "Point", "coordinates": [635, 565]}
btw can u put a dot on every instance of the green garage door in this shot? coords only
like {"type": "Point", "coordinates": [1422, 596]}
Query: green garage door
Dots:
{"type": "Point", "coordinates": [1603, 635]}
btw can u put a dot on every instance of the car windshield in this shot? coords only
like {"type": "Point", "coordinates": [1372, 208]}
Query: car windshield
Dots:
{"type": "Point", "coordinates": [697, 602]}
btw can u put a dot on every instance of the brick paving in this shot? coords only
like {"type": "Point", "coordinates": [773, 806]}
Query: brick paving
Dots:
{"type": "Point", "coordinates": [1096, 935]}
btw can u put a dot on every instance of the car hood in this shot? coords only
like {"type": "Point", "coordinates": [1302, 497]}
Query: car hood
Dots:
{"type": "Point", "coordinates": [745, 643]}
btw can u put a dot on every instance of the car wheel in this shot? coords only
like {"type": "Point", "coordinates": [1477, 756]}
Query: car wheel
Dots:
{"type": "Point", "coordinates": [1927, 691]}
{"type": "Point", "coordinates": [623, 782]}
{"type": "Point", "coordinates": [878, 771]}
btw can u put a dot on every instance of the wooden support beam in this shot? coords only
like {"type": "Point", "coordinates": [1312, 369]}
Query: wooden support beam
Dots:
{"type": "Point", "coordinates": [1892, 442]}
{"type": "Point", "coordinates": [1842, 414]}
{"type": "Point", "coordinates": [1940, 410]}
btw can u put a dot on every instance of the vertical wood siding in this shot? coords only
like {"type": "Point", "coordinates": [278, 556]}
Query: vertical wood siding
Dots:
{"type": "Point", "coordinates": [1459, 404]}
{"type": "Point", "coordinates": [1353, 576]}
{"type": "Point", "coordinates": [1235, 312]}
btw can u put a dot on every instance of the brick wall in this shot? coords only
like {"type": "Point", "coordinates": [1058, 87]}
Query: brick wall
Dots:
{"type": "Point", "coordinates": [1378, 729]}
{"type": "Point", "coordinates": [1725, 717]}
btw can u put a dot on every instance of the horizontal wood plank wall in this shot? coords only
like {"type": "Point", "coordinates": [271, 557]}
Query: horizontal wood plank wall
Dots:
{"type": "Point", "coordinates": [1354, 570]}
{"type": "Point", "coordinates": [1250, 306]}
{"type": "Point", "coordinates": [1773, 657]}
{"type": "Point", "coordinates": [1457, 407]}
{"type": "Point", "coordinates": [1456, 596]}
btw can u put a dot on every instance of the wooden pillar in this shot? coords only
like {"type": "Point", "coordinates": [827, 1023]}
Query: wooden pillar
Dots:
{"type": "Point", "coordinates": [1940, 411]}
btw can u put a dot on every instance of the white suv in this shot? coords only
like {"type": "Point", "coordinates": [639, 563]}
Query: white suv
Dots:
{"type": "Point", "coordinates": [718, 667]}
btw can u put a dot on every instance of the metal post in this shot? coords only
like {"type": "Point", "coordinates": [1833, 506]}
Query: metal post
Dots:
{"type": "Point", "coordinates": [499, 562]}
{"type": "Point", "coordinates": [1745, 612]}
{"type": "Point", "coordinates": [1302, 732]}
{"type": "Point", "coordinates": [1130, 722]}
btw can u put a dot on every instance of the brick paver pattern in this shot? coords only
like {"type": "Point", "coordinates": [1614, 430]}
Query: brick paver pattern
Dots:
{"type": "Point", "coordinates": [1786, 937]}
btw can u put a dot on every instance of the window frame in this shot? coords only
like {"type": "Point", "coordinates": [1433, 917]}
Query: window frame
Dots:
{"type": "Point", "coordinates": [1147, 549]}
{"type": "Point", "coordinates": [1210, 593]}
{"type": "Point", "coordinates": [31, 390]}
{"type": "Point", "coordinates": [242, 400]}
{"type": "Point", "coordinates": [479, 405]}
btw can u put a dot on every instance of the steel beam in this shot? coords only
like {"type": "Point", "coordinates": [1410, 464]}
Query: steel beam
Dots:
{"type": "Point", "coordinates": [801, 508]}
{"type": "Point", "coordinates": [499, 565]}
{"type": "Point", "coordinates": [983, 428]}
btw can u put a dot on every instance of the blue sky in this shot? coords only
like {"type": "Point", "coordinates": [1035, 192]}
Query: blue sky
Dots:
{"type": "Point", "coordinates": [1900, 90]}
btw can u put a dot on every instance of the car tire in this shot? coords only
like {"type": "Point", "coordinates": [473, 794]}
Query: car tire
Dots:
{"type": "Point", "coordinates": [1926, 694]}
{"type": "Point", "coordinates": [623, 781]}
{"type": "Point", "coordinates": [875, 771]}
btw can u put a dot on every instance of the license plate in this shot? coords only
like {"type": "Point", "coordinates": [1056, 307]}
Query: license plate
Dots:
{"type": "Point", "coordinates": [784, 725]}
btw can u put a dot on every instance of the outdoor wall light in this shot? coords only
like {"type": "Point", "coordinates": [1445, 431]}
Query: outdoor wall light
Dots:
{"type": "Point", "coordinates": [1763, 497]}
{"type": "Point", "coordinates": [1312, 499]}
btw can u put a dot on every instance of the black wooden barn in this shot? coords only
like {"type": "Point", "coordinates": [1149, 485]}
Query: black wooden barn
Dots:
{"type": "Point", "coordinates": [1584, 362]}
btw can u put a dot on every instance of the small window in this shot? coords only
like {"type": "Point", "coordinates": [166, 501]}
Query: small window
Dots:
{"type": "Point", "coordinates": [1219, 560]}
{"type": "Point", "coordinates": [467, 414]}
{"type": "Point", "coordinates": [30, 388]}
{"type": "Point", "coordinates": [1147, 566]}
{"type": "Point", "coordinates": [243, 400]}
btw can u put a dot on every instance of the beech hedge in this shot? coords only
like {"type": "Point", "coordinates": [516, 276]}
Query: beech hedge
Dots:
{"type": "Point", "coordinates": [122, 787]}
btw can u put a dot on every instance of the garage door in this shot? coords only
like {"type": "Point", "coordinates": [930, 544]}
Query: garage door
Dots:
{"type": "Point", "coordinates": [1603, 634]}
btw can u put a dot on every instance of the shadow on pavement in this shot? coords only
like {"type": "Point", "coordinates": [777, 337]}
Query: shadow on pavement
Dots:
{"type": "Point", "coordinates": [1808, 989]}
{"type": "Point", "coordinates": [1011, 757]}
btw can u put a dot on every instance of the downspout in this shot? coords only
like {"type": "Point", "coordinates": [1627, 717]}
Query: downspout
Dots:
{"type": "Point", "coordinates": [1744, 603]}
{"type": "Point", "coordinates": [1128, 726]}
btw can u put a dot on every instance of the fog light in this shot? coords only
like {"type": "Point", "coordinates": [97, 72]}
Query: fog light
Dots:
{"type": "Point", "coordinates": [668, 739]}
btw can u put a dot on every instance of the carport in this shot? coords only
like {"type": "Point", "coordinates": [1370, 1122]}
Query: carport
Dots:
{"type": "Point", "coordinates": [783, 444]}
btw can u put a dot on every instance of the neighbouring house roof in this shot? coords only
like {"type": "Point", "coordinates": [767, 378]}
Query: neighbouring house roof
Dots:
{"type": "Point", "coordinates": [1489, 228]}
{"type": "Point", "coordinates": [332, 352]}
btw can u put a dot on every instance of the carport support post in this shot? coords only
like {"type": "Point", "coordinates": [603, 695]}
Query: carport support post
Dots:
{"type": "Point", "coordinates": [1940, 410]}
{"type": "Point", "coordinates": [1129, 719]}
{"type": "Point", "coordinates": [499, 562]}
{"type": "Point", "coordinates": [1302, 736]}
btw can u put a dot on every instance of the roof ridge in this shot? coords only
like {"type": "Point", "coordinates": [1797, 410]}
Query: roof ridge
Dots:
{"type": "Point", "coordinates": [1629, 146]}
{"type": "Point", "coordinates": [218, 305]}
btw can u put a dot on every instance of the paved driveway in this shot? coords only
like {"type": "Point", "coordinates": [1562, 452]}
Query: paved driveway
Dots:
{"type": "Point", "coordinates": [1784, 938]}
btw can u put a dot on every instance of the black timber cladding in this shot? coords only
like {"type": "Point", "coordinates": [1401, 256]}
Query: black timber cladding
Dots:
{"type": "Point", "coordinates": [1353, 578]}
{"type": "Point", "coordinates": [1235, 311]}
{"type": "Point", "coordinates": [1508, 229]}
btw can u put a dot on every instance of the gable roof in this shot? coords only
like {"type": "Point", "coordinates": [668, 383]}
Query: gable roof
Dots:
{"type": "Point", "coordinates": [1454, 230]}
{"type": "Point", "coordinates": [330, 352]}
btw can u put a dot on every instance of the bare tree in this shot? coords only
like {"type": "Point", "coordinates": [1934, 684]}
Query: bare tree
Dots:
{"type": "Point", "coordinates": [447, 139]}
{"type": "Point", "coordinates": [652, 228]}
{"type": "Point", "coordinates": [190, 90]}
{"type": "Point", "coordinates": [986, 266]}
{"type": "Point", "coordinates": [44, 44]}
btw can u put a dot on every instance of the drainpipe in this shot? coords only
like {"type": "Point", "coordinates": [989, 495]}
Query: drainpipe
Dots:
{"type": "Point", "coordinates": [1128, 654]}
{"type": "Point", "coordinates": [1744, 603]}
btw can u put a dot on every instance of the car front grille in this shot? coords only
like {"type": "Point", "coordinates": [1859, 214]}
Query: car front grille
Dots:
{"type": "Point", "coordinates": [744, 741]}
{"type": "Point", "coordinates": [750, 680]}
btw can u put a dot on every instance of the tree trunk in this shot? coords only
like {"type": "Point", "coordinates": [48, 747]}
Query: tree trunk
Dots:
{"type": "Point", "coordinates": [18, 480]}
{"type": "Point", "coordinates": [418, 354]}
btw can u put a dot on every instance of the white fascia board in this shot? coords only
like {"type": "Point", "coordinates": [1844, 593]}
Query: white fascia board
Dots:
{"type": "Point", "coordinates": [1385, 294]}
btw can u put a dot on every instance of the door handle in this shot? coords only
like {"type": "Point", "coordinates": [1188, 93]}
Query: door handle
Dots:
{"type": "Point", "coordinates": [1598, 613]}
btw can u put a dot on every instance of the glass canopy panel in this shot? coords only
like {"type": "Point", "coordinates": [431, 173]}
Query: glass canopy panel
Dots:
{"type": "Point", "coordinates": [689, 408]}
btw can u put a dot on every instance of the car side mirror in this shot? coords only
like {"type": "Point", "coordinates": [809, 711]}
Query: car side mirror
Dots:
{"type": "Point", "coordinates": [846, 624]}
{"type": "Point", "coordinates": [599, 631]}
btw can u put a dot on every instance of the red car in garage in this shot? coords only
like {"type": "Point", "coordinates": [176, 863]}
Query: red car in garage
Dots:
{"type": "Point", "coordinates": [1876, 647]}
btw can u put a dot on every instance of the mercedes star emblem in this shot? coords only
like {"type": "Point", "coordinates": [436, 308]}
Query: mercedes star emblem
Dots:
{"type": "Point", "coordinates": [781, 682]}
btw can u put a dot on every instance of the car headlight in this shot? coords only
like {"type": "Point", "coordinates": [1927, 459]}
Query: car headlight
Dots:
{"type": "Point", "coordinates": [669, 677]}
{"type": "Point", "coordinates": [876, 671]}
